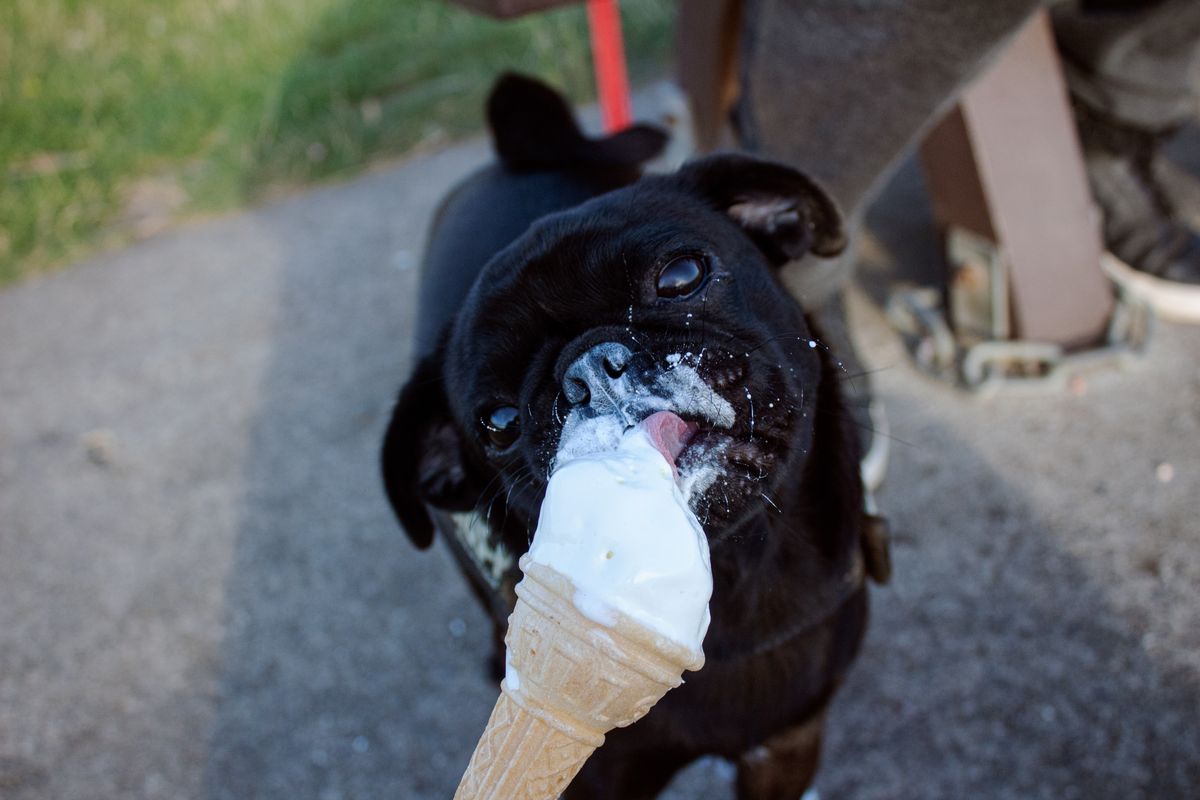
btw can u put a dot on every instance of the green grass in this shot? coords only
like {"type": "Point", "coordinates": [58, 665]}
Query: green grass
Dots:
{"type": "Point", "coordinates": [203, 105]}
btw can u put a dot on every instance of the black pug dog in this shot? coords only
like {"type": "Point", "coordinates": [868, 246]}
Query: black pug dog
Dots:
{"type": "Point", "coordinates": [559, 279]}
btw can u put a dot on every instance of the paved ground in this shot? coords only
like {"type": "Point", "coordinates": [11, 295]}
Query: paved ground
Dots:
{"type": "Point", "coordinates": [203, 594]}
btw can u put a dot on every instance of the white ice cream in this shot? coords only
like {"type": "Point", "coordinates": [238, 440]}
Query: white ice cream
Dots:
{"type": "Point", "coordinates": [616, 523]}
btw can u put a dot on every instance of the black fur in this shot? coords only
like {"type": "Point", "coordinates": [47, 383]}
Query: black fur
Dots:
{"type": "Point", "coordinates": [788, 608]}
{"type": "Point", "coordinates": [533, 130]}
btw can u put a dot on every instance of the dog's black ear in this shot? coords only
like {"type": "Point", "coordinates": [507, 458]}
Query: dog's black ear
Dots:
{"type": "Point", "coordinates": [784, 211]}
{"type": "Point", "coordinates": [423, 456]}
{"type": "Point", "coordinates": [533, 129]}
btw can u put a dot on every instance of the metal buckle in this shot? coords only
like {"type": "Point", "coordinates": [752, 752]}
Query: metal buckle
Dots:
{"type": "Point", "coordinates": [964, 336]}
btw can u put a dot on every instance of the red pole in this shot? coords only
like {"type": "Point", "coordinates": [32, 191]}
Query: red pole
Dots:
{"type": "Point", "coordinates": [608, 57]}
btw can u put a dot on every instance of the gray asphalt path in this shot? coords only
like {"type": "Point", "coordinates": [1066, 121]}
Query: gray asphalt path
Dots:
{"type": "Point", "coordinates": [203, 594]}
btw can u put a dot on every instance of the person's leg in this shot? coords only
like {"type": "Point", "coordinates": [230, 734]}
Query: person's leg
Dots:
{"type": "Point", "coordinates": [840, 89]}
{"type": "Point", "coordinates": [1133, 68]}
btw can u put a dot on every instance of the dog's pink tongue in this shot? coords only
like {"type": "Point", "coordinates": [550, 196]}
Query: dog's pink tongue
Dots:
{"type": "Point", "coordinates": [668, 433]}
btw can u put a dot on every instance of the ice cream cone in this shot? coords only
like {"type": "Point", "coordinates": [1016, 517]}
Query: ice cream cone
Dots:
{"type": "Point", "coordinates": [571, 680]}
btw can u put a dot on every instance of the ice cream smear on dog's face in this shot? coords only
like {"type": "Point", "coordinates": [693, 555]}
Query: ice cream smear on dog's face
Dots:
{"type": "Point", "coordinates": [615, 522]}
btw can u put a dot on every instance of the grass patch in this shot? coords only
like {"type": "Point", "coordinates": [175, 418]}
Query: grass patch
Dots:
{"type": "Point", "coordinates": [119, 115]}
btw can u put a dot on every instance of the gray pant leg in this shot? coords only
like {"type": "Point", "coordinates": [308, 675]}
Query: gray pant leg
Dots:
{"type": "Point", "coordinates": [1136, 61]}
{"type": "Point", "coordinates": [840, 88]}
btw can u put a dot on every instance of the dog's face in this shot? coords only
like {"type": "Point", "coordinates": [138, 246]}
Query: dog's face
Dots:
{"type": "Point", "coordinates": [659, 296]}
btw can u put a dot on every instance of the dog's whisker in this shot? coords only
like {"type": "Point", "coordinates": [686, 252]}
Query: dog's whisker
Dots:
{"type": "Point", "coordinates": [643, 348]}
{"type": "Point", "coordinates": [875, 432]}
{"type": "Point", "coordinates": [849, 376]}
{"type": "Point", "coordinates": [518, 481]}
{"type": "Point", "coordinates": [521, 475]}
{"type": "Point", "coordinates": [795, 335]}
{"type": "Point", "coordinates": [501, 476]}
{"type": "Point", "coordinates": [479, 502]}
{"type": "Point", "coordinates": [750, 400]}
{"type": "Point", "coordinates": [704, 318]}
{"type": "Point", "coordinates": [815, 342]}
{"type": "Point", "coordinates": [487, 517]}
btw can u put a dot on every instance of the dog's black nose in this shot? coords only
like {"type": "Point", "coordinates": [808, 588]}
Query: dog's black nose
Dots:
{"type": "Point", "coordinates": [597, 379]}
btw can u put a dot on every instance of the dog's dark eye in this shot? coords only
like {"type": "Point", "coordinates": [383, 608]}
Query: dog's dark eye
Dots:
{"type": "Point", "coordinates": [681, 277]}
{"type": "Point", "coordinates": [502, 426]}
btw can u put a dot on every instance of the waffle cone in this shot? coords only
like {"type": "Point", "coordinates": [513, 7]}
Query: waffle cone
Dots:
{"type": "Point", "coordinates": [577, 679]}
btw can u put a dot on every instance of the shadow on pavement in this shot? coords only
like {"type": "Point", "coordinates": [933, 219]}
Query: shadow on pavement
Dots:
{"type": "Point", "coordinates": [353, 665]}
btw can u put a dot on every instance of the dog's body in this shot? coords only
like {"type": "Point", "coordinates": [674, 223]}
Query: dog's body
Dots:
{"type": "Point", "coordinates": [556, 279]}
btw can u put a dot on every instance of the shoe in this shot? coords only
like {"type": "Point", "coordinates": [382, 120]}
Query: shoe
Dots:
{"type": "Point", "coordinates": [1155, 255]}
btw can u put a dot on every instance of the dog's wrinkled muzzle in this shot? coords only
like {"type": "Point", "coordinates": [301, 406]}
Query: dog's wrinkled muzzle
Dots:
{"type": "Point", "coordinates": [609, 379]}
